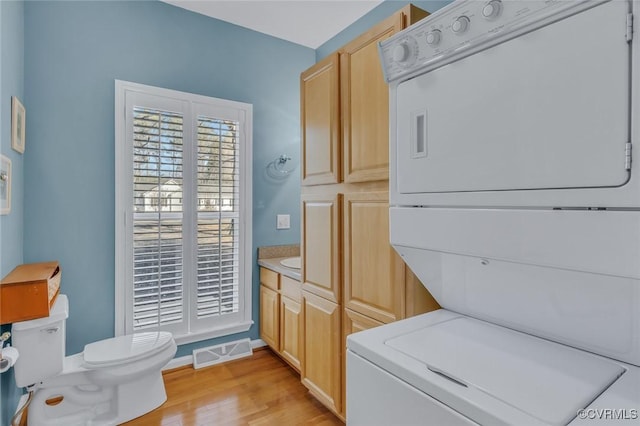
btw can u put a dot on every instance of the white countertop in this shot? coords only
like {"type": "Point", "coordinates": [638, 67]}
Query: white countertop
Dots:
{"type": "Point", "coordinates": [275, 265]}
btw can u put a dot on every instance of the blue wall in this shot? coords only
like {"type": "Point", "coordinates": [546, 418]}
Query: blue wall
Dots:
{"type": "Point", "coordinates": [11, 225]}
{"type": "Point", "coordinates": [380, 12]}
{"type": "Point", "coordinates": [11, 84]}
{"type": "Point", "coordinates": [73, 53]}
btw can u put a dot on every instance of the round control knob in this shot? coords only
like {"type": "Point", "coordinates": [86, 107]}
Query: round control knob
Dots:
{"type": "Point", "coordinates": [433, 37]}
{"type": "Point", "coordinates": [460, 25]}
{"type": "Point", "coordinates": [401, 52]}
{"type": "Point", "coordinates": [492, 9]}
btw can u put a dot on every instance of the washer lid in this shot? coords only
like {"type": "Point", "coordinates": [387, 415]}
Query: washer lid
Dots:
{"type": "Point", "coordinates": [545, 381]}
{"type": "Point", "coordinates": [125, 348]}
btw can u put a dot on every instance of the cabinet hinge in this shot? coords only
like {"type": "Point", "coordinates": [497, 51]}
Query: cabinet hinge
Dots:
{"type": "Point", "coordinates": [627, 156]}
{"type": "Point", "coordinates": [629, 27]}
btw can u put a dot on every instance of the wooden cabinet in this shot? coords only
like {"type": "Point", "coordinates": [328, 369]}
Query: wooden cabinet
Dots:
{"type": "Point", "coordinates": [280, 315]}
{"type": "Point", "coordinates": [320, 121]}
{"type": "Point", "coordinates": [350, 273]}
{"type": "Point", "coordinates": [270, 316]}
{"type": "Point", "coordinates": [345, 109]}
{"type": "Point", "coordinates": [321, 244]}
{"type": "Point", "coordinates": [372, 268]}
{"type": "Point", "coordinates": [322, 350]}
{"type": "Point", "coordinates": [364, 99]}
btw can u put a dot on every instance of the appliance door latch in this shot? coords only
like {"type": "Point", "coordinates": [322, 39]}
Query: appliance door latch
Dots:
{"type": "Point", "coordinates": [627, 156]}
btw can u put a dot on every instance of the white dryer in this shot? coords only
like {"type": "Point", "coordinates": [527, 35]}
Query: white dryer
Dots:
{"type": "Point", "coordinates": [514, 199]}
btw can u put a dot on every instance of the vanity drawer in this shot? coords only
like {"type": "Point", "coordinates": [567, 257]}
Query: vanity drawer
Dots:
{"type": "Point", "coordinates": [269, 278]}
{"type": "Point", "coordinates": [290, 288]}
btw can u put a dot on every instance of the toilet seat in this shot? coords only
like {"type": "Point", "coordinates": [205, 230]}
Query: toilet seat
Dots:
{"type": "Point", "coordinates": [123, 349]}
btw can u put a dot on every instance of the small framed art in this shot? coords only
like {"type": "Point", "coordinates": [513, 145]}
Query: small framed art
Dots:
{"type": "Point", "coordinates": [5, 185]}
{"type": "Point", "coordinates": [18, 125]}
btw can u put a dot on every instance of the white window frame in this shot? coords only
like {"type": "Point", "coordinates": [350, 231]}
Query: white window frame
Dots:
{"type": "Point", "coordinates": [192, 106]}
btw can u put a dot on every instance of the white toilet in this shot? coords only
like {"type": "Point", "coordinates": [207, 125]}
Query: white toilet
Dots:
{"type": "Point", "coordinates": [112, 381]}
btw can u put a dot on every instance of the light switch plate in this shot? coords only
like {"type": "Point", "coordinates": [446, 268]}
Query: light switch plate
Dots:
{"type": "Point", "coordinates": [283, 221]}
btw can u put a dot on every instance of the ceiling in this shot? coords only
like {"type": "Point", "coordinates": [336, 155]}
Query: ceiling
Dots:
{"type": "Point", "coordinates": [307, 22]}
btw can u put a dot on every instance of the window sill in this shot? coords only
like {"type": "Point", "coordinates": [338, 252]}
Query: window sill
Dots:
{"type": "Point", "coordinates": [183, 339]}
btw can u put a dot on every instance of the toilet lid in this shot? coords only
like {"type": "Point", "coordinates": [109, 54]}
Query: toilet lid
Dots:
{"type": "Point", "coordinates": [125, 348]}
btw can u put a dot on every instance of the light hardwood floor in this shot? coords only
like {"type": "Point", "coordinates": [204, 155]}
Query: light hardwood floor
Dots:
{"type": "Point", "coordinates": [260, 390]}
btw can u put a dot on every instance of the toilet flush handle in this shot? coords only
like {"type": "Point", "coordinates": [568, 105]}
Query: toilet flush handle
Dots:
{"type": "Point", "coordinates": [51, 330]}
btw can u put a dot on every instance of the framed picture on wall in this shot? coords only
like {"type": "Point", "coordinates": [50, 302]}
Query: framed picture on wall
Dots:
{"type": "Point", "coordinates": [18, 126]}
{"type": "Point", "coordinates": [5, 185]}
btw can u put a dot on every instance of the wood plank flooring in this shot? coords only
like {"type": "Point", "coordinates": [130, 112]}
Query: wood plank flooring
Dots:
{"type": "Point", "coordinates": [260, 390]}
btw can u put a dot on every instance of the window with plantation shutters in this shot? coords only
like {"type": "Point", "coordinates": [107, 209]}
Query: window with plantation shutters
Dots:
{"type": "Point", "coordinates": [183, 246]}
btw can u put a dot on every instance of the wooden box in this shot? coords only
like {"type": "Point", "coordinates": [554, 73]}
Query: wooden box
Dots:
{"type": "Point", "coordinates": [28, 292]}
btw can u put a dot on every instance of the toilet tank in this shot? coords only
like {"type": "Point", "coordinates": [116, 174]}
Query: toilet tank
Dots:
{"type": "Point", "coordinates": [41, 343]}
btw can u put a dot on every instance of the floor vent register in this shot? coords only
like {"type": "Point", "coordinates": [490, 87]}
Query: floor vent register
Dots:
{"type": "Point", "coordinates": [224, 352]}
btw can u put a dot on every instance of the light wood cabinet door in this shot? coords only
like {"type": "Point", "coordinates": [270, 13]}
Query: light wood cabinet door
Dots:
{"type": "Point", "coordinates": [373, 272]}
{"type": "Point", "coordinates": [355, 322]}
{"type": "Point", "coordinates": [365, 105]}
{"type": "Point", "coordinates": [321, 229]}
{"type": "Point", "coordinates": [270, 317]}
{"type": "Point", "coordinates": [320, 122]}
{"type": "Point", "coordinates": [364, 98]}
{"type": "Point", "coordinates": [290, 325]}
{"type": "Point", "coordinates": [418, 299]}
{"type": "Point", "coordinates": [322, 350]}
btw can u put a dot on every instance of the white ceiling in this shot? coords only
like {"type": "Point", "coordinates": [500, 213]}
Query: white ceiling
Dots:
{"type": "Point", "coordinates": [306, 22]}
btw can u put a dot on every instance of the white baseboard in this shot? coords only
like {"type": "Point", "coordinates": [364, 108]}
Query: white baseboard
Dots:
{"type": "Point", "coordinates": [179, 362]}
{"type": "Point", "coordinates": [188, 359]}
{"type": "Point", "coordinates": [258, 343]}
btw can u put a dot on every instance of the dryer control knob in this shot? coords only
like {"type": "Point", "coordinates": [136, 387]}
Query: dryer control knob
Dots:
{"type": "Point", "coordinates": [433, 37]}
{"type": "Point", "coordinates": [460, 25]}
{"type": "Point", "coordinates": [492, 9]}
{"type": "Point", "coordinates": [401, 52]}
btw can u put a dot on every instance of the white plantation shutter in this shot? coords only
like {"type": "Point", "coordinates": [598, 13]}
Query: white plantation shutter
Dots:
{"type": "Point", "coordinates": [183, 250]}
{"type": "Point", "coordinates": [218, 216]}
{"type": "Point", "coordinates": [157, 217]}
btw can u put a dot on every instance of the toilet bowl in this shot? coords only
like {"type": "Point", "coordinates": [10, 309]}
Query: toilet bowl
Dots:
{"type": "Point", "coordinates": [112, 381]}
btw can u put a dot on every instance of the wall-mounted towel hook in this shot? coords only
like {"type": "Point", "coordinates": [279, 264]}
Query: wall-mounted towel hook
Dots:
{"type": "Point", "coordinates": [278, 167]}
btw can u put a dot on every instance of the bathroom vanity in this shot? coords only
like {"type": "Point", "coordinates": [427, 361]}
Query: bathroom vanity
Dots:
{"type": "Point", "coordinates": [280, 303]}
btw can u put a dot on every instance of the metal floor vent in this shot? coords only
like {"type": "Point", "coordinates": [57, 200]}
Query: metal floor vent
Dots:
{"type": "Point", "coordinates": [224, 352]}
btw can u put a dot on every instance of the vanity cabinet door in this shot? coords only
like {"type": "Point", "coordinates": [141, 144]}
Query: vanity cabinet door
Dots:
{"type": "Point", "coordinates": [269, 317]}
{"type": "Point", "coordinates": [290, 330]}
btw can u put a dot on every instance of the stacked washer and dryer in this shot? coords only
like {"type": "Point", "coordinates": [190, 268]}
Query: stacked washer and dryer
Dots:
{"type": "Point", "coordinates": [515, 200]}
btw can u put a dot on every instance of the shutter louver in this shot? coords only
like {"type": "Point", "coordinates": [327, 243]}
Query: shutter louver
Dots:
{"type": "Point", "coordinates": [157, 218]}
{"type": "Point", "coordinates": [218, 216]}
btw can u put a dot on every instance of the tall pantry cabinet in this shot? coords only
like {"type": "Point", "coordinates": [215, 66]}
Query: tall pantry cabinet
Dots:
{"type": "Point", "coordinates": [352, 279]}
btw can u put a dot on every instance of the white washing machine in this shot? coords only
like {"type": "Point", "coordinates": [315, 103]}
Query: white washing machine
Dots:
{"type": "Point", "coordinates": [514, 200]}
